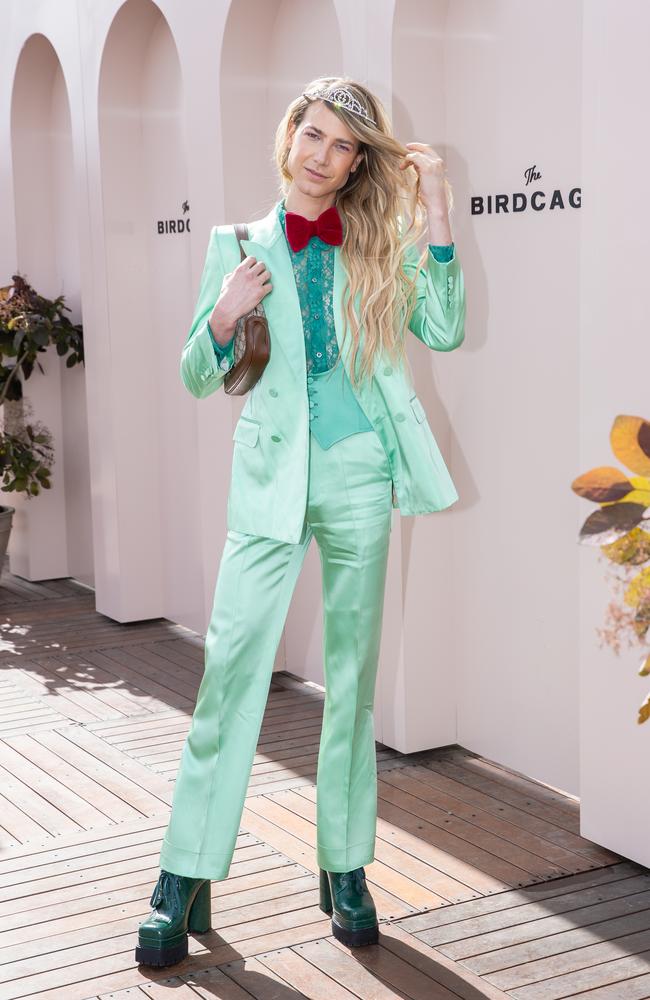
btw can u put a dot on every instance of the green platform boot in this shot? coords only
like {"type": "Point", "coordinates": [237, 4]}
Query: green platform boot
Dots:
{"type": "Point", "coordinates": [180, 903]}
{"type": "Point", "coordinates": [346, 896]}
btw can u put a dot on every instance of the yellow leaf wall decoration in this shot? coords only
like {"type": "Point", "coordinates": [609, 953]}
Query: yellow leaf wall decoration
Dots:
{"type": "Point", "coordinates": [618, 528]}
{"type": "Point", "coordinates": [602, 484]}
{"type": "Point", "coordinates": [611, 521]}
{"type": "Point", "coordinates": [632, 549]}
{"type": "Point", "coordinates": [639, 588]}
{"type": "Point", "coordinates": [629, 438]}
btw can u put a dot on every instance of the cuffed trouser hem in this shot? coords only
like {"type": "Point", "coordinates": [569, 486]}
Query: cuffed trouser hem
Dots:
{"type": "Point", "coordinates": [345, 860]}
{"type": "Point", "coordinates": [181, 862]}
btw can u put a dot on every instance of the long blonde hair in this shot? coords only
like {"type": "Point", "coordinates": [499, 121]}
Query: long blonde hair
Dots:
{"type": "Point", "coordinates": [382, 218]}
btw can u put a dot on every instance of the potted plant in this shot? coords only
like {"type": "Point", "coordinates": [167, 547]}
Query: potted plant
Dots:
{"type": "Point", "coordinates": [29, 324]}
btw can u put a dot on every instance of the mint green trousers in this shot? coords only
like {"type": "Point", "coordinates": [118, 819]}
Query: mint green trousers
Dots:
{"type": "Point", "coordinates": [349, 510]}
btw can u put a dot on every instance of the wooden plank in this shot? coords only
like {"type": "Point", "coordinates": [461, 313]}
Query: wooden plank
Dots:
{"type": "Point", "coordinates": [483, 852]}
{"type": "Point", "coordinates": [127, 888]}
{"type": "Point", "coordinates": [140, 678]}
{"type": "Point", "coordinates": [433, 963]}
{"type": "Point", "coordinates": [605, 974]}
{"type": "Point", "coordinates": [524, 792]}
{"type": "Point", "coordinates": [87, 673]}
{"type": "Point", "coordinates": [514, 898]}
{"type": "Point", "coordinates": [307, 978]}
{"type": "Point", "coordinates": [379, 975]}
{"type": "Point", "coordinates": [40, 852]}
{"type": "Point", "coordinates": [588, 916]}
{"type": "Point", "coordinates": [456, 879]}
{"type": "Point", "coordinates": [113, 731]}
{"type": "Point", "coordinates": [255, 979]}
{"type": "Point", "coordinates": [73, 704]}
{"type": "Point", "coordinates": [526, 855]}
{"type": "Point", "coordinates": [52, 778]}
{"type": "Point", "coordinates": [43, 813]}
{"type": "Point", "coordinates": [16, 825]}
{"type": "Point", "coordinates": [93, 976]}
{"type": "Point", "coordinates": [532, 832]}
{"type": "Point", "coordinates": [575, 959]}
{"type": "Point", "coordinates": [220, 984]}
{"type": "Point", "coordinates": [269, 823]}
{"type": "Point", "coordinates": [138, 786]}
{"type": "Point", "coordinates": [523, 913]}
{"type": "Point", "coordinates": [423, 884]}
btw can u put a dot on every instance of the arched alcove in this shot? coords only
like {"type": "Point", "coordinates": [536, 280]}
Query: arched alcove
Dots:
{"type": "Point", "coordinates": [146, 217]}
{"type": "Point", "coordinates": [271, 50]}
{"type": "Point", "coordinates": [52, 533]}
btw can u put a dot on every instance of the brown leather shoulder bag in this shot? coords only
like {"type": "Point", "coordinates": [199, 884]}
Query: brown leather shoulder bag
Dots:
{"type": "Point", "coordinates": [252, 343]}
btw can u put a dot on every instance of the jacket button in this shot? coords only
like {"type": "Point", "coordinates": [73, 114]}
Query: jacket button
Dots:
{"type": "Point", "coordinates": [399, 416]}
{"type": "Point", "coordinates": [388, 370]}
{"type": "Point", "coordinates": [275, 437]}
{"type": "Point", "coordinates": [273, 392]}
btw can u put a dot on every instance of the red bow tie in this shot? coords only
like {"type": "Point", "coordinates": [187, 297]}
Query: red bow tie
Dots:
{"type": "Point", "coordinates": [300, 230]}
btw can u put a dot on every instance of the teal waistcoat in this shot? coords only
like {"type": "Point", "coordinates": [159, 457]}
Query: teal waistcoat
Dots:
{"type": "Point", "coordinates": [334, 410]}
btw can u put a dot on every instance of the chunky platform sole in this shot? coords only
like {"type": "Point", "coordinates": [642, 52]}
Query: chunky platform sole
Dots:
{"type": "Point", "coordinates": [174, 950]}
{"type": "Point", "coordinates": [160, 957]}
{"type": "Point", "coordinates": [353, 936]}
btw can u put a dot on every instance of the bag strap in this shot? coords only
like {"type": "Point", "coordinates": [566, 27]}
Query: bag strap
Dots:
{"type": "Point", "coordinates": [241, 232]}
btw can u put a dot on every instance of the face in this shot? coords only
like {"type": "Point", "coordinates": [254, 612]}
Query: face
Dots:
{"type": "Point", "coordinates": [322, 145]}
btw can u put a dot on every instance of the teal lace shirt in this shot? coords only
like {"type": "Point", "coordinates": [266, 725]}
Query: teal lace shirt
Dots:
{"type": "Point", "coordinates": [333, 406]}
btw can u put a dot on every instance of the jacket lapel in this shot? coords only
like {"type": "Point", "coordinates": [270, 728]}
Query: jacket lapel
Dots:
{"type": "Point", "coordinates": [282, 305]}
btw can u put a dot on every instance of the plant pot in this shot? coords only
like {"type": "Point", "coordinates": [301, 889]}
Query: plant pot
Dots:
{"type": "Point", "coordinates": [6, 514]}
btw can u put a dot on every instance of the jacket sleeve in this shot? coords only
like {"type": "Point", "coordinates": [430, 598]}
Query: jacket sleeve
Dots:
{"type": "Point", "coordinates": [203, 368]}
{"type": "Point", "coordinates": [438, 318]}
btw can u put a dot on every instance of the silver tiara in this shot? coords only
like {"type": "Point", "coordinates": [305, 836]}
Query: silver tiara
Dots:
{"type": "Point", "coordinates": [342, 98]}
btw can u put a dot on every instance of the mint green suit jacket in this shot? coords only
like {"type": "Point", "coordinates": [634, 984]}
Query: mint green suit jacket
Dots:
{"type": "Point", "coordinates": [268, 486]}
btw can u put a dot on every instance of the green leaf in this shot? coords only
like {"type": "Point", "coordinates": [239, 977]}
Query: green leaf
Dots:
{"type": "Point", "coordinates": [41, 337]}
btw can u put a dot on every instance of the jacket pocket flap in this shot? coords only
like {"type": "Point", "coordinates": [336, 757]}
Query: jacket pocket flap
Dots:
{"type": "Point", "coordinates": [418, 409]}
{"type": "Point", "coordinates": [246, 431]}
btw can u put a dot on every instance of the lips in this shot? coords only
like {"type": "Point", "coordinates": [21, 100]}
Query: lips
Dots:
{"type": "Point", "coordinates": [314, 174]}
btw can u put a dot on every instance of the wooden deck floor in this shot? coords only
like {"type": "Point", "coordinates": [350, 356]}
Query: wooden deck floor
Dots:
{"type": "Point", "coordinates": [483, 885]}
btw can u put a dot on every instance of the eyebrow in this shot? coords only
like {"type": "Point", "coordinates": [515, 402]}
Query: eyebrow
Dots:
{"type": "Point", "coordinates": [320, 132]}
